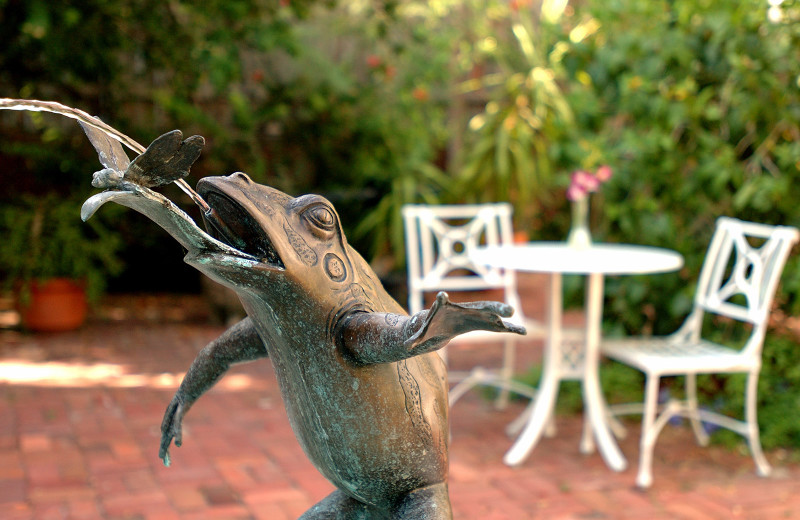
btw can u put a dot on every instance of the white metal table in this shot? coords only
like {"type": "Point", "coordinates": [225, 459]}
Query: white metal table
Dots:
{"type": "Point", "coordinates": [560, 362]}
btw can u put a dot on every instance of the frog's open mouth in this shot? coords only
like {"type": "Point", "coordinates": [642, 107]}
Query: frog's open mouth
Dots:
{"type": "Point", "coordinates": [231, 224]}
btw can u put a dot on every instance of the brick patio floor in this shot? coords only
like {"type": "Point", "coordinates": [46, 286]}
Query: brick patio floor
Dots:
{"type": "Point", "coordinates": [79, 430]}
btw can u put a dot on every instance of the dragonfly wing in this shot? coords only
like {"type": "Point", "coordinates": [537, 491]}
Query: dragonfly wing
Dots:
{"type": "Point", "coordinates": [165, 160]}
{"type": "Point", "coordinates": [109, 150]}
{"type": "Point", "coordinates": [144, 169]}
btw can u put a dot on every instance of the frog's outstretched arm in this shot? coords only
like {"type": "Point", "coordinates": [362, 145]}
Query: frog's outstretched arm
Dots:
{"type": "Point", "coordinates": [382, 338]}
{"type": "Point", "coordinates": [238, 344]}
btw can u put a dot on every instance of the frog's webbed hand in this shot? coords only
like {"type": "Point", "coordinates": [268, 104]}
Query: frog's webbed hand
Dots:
{"type": "Point", "coordinates": [239, 344]}
{"type": "Point", "coordinates": [446, 320]}
{"type": "Point", "coordinates": [383, 338]}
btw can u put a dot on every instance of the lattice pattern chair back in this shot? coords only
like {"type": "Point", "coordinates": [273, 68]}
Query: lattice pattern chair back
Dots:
{"type": "Point", "coordinates": [738, 280]}
{"type": "Point", "coordinates": [734, 266]}
{"type": "Point", "coordinates": [438, 242]}
{"type": "Point", "coordinates": [439, 239]}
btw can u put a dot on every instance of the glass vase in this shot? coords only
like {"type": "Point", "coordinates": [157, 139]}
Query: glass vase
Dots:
{"type": "Point", "coordinates": [579, 236]}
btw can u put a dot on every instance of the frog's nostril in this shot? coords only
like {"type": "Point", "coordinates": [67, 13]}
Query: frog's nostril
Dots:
{"type": "Point", "coordinates": [243, 177]}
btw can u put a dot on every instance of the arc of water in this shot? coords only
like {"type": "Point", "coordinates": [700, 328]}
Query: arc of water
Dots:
{"type": "Point", "coordinates": [34, 105]}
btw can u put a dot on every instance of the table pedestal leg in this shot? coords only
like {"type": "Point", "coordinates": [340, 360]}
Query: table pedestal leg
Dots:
{"type": "Point", "coordinates": [543, 406]}
{"type": "Point", "coordinates": [540, 411]}
{"type": "Point", "coordinates": [592, 394]}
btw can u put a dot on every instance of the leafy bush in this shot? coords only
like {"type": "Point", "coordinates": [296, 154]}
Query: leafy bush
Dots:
{"type": "Point", "coordinates": [44, 237]}
{"type": "Point", "coordinates": [697, 107]}
{"type": "Point", "coordinates": [506, 157]}
{"type": "Point", "coordinates": [129, 63]}
{"type": "Point", "coordinates": [348, 101]}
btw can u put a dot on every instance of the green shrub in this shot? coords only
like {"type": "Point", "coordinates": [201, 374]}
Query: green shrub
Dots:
{"type": "Point", "coordinates": [698, 104]}
{"type": "Point", "coordinates": [697, 107]}
{"type": "Point", "coordinates": [44, 237]}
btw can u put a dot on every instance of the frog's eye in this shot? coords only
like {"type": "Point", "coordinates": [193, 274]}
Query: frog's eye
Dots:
{"type": "Point", "coordinates": [321, 218]}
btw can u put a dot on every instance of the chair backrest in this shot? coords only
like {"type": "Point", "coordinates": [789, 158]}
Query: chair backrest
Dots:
{"type": "Point", "coordinates": [439, 239]}
{"type": "Point", "coordinates": [739, 277]}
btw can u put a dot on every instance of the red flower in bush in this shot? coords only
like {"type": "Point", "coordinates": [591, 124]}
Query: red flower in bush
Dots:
{"type": "Point", "coordinates": [421, 94]}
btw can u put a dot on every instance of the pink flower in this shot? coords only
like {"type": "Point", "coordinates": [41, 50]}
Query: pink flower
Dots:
{"type": "Point", "coordinates": [603, 173]}
{"type": "Point", "coordinates": [585, 180]}
{"type": "Point", "coordinates": [576, 192]}
{"type": "Point", "coordinates": [582, 182]}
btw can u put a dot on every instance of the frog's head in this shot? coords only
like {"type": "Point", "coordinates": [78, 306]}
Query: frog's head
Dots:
{"type": "Point", "coordinates": [297, 241]}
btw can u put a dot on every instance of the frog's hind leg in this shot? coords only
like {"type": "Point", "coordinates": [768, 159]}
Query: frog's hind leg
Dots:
{"type": "Point", "coordinates": [339, 506]}
{"type": "Point", "coordinates": [428, 503]}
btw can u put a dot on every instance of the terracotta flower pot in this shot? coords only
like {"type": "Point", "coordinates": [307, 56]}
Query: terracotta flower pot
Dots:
{"type": "Point", "coordinates": [54, 305]}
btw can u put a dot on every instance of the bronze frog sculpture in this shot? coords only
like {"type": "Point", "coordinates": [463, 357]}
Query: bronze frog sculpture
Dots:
{"type": "Point", "coordinates": [365, 392]}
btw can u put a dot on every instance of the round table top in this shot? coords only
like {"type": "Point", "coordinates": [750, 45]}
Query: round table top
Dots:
{"type": "Point", "coordinates": [559, 257]}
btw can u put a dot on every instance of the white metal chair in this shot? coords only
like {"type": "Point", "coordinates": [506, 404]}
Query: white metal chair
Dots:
{"type": "Point", "coordinates": [737, 282]}
{"type": "Point", "coordinates": [439, 239]}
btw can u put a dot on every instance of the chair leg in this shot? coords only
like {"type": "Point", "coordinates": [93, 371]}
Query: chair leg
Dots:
{"type": "Point", "coordinates": [587, 445]}
{"type": "Point", "coordinates": [753, 438]}
{"type": "Point", "coordinates": [515, 426]}
{"type": "Point", "coordinates": [691, 403]}
{"type": "Point", "coordinates": [644, 478]}
{"type": "Point", "coordinates": [506, 372]}
{"type": "Point", "coordinates": [476, 377]}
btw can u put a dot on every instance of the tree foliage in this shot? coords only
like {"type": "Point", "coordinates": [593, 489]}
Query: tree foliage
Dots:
{"type": "Point", "coordinates": [697, 107]}
{"type": "Point", "coordinates": [303, 95]}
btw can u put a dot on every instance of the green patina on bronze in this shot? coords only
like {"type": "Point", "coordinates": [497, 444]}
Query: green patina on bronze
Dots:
{"type": "Point", "coordinates": [365, 392]}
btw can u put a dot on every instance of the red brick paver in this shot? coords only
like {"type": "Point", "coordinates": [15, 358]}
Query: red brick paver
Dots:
{"type": "Point", "coordinates": [79, 430]}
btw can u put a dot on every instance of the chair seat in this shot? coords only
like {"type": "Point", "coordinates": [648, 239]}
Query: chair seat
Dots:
{"type": "Point", "coordinates": [667, 356]}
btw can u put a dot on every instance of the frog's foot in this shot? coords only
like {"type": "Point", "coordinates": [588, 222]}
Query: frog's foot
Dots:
{"type": "Point", "coordinates": [447, 319]}
{"type": "Point", "coordinates": [172, 427]}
